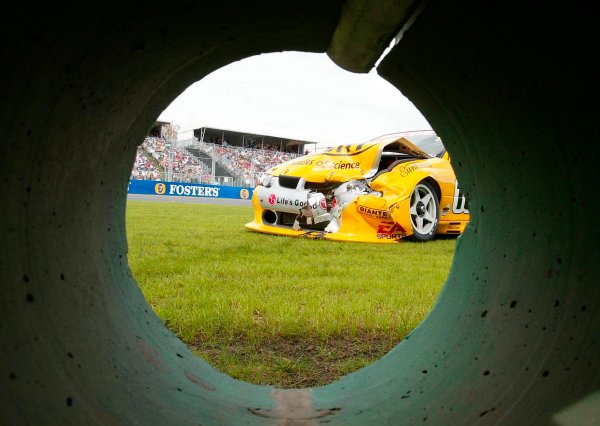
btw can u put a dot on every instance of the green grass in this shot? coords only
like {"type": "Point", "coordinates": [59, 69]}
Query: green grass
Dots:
{"type": "Point", "coordinates": [277, 310]}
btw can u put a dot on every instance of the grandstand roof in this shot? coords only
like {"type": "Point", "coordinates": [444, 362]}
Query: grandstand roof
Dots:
{"type": "Point", "coordinates": [243, 138]}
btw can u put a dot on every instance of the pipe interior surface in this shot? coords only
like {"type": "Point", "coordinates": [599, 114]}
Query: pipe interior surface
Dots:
{"type": "Point", "coordinates": [513, 337]}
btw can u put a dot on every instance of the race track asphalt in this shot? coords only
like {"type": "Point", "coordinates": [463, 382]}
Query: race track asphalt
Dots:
{"type": "Point", "coordinates": [197, 200]}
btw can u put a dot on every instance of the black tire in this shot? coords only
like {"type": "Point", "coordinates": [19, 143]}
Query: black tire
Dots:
{"type": "Point", "coordinates": [424, 215]}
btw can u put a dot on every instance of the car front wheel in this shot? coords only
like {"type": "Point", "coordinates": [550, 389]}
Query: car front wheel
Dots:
{"type": "Point", "coordinates": [424, 212]}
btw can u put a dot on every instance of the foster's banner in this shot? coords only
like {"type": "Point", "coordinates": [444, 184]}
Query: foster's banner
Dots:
{"type": "Point", "coordinates": [188, 189]}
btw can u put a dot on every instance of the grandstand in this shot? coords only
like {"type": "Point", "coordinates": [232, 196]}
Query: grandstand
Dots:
{"type": "Point", "coordinates": [208, 161]}
{"type": "Point", "coordinates": [245, 163]}
{"type": "Point", "coordinates": [144, 168]}
{"type": "Point", "coordinates": [229, 158]}
{"type": "Point", "coordinates": [250, 140]}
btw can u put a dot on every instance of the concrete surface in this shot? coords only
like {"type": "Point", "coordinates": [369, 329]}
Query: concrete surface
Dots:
{"type": "Point", "coordinates": [511, 88]}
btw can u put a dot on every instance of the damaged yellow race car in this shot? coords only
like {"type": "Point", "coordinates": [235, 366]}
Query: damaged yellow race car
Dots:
{"type": "Point", "coordinates": [392, 187]}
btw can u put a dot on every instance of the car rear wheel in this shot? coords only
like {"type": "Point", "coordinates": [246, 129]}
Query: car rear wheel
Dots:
{"type": "Point", "coordinates": [424, 212]}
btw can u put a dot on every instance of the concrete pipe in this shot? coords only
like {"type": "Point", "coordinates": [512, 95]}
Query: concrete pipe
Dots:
{"type": "Point", "coordinates": [513, 337]}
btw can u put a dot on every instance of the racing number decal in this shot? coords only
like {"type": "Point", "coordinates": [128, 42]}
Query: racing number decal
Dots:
{"type": "Point", "coordinates": [460, 201]}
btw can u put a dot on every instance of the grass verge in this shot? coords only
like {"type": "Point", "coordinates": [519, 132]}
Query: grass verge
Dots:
{"type": "Point", "coordinates": [273, 310]}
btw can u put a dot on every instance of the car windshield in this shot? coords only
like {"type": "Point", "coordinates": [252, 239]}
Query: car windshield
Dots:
{"type": "Point", "coordinates": [426, 140]}
{"type": "Point", "coordinates": [431, 144]}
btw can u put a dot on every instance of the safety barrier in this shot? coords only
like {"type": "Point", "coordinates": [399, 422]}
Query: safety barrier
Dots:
{"type": "Point", "coordinates": [188, 189]}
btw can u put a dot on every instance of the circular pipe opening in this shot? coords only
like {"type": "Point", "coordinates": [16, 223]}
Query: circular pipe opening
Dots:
{"type": "Point", "coordinates": [283, 321]}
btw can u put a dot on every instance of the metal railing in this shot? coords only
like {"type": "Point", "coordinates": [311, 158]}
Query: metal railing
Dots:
{"type": "Point", "coordinates": [241, 162]}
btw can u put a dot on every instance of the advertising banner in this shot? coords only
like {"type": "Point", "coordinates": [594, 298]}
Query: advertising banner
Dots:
{"type": "Point", "coordinates": [188, 189]}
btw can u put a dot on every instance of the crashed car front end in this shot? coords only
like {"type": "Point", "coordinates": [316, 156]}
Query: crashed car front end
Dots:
{"type": "Point", "coordinates": [331, 196]}
{"type": "Point", "coordinates": [350, 211]}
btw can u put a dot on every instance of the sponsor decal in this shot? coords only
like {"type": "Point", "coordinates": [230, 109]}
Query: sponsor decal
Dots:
{"type": "Point", "coordinates": [336, 165]}
{"type": "Point", "coordinates": [283, 201]}
{"type": "Point", "coordinates": [160, 188]}
{"type": "Point", "coordinates": [303, 162]}
{"type": "Point", "coordinates": [289, 202]}
{"type": "Point", "coordinates": [368, 211]}
{"type": "Point", "coordinates": [445, 210]}
{"type": "Point", "coordinates": [409, 168]}
{"type": "Point", "coordinates": [390, 231]}
{"type": "Point", "coordinates": [460, 201]}
{"type": "Point", "coordinates": [193, 190]}
{"type": "Point", "coordinates": [244, 194]}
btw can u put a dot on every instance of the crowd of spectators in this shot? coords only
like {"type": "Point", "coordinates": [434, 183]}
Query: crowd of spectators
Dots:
{"type": "Point", "coordinates": [246, 164]}
{"type": "Point", "coordinates": [186, 168]}
{"type": "Point", "coordinates": [143, 169]}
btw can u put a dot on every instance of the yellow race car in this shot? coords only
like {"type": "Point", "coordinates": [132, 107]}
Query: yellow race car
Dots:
{"type": "Point", "coordinates": [395, 186]}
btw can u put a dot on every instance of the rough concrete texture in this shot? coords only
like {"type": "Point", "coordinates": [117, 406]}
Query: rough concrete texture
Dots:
{"type": "Point", "coordinates": [365, 30]}
{"type": "Point", "coordinates": [513, 338]}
